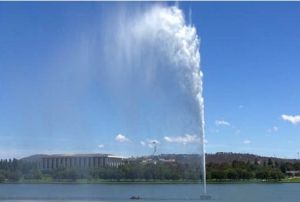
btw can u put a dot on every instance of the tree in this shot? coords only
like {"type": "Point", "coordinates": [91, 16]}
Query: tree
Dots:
{"type": "Point", "coordinates": [2, 178]}
{"type": "Point", "coordinates": [270, 162]}
{"type": "Point", "coordinates": [218, 175]}
{"type": "Point", "coordinates": [232, 174]}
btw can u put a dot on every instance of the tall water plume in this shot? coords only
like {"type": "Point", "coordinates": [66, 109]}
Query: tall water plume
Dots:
{"type": "Point", "coordinates": [159, 45]}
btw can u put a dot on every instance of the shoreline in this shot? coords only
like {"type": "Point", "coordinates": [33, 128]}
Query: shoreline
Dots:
{"type": "Point", "coordinates": [85, 181]}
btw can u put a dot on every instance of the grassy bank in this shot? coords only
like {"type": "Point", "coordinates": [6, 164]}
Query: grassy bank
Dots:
{"type": "Point", "coordinates": [292, 180]}
{"type": "Point", "coordinates": [285, 180]}
{"type": "Point", "coordinates": [101, 181]}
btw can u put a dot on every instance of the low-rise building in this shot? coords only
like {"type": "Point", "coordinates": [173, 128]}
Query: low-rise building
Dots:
{"type": "Point", "coordinates": [82, 161]}
{"type": "Point", "coordinates": [292, 173]}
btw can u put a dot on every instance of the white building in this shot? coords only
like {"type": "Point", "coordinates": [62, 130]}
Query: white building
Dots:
{"type": "Point", "coordinates": [86, 161]}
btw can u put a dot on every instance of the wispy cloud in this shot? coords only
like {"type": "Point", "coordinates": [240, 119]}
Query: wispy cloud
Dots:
{"type": "Point", "coordinates": [292, 119]}
{"type": "Point", "coordinates": [222, 123]}
{"type": "Point", "coordinates": [121, 138]}
{"type": "Point", "coordinates": [100, 146]}
{"type": "Point", "coordinates": [274, 129]}
{"type": "Point", "coordinates": [247, 141]}
{"type": "Point", "coordinates": [185, 139]}
{"type": "Point", "coordinates": [143, 143]}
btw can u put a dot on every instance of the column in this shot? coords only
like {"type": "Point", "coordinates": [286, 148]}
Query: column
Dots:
{"type": "Point", "coordinates": [54, 163]}
{"type": "Point", "coordinates": [66, 162]}
{"type": "Point", "coordinates": [85, 162]}
{"type": "Point", "coordinates": [50, 163]}
{"type": "Point", "coordinates": [44, 164]}
{"type": "Point", "coordinates": [47, 163]}
{"type": "Point", "coordinates": [77, 162]}
{"type": "Point", "coordinates": [80, 162]}
{"type": "Point", "coordinates": [96, 162]}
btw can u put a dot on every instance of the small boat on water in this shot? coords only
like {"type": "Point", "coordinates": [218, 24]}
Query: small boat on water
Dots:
{"type": "Point", "coordinates": [135, 198]}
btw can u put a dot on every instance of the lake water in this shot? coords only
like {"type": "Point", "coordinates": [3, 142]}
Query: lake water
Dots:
{"type": "Point", "coordinates": [149, 192]}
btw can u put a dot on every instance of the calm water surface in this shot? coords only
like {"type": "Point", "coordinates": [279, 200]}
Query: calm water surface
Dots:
{"type": "Point", "coordinates": [149, 192]}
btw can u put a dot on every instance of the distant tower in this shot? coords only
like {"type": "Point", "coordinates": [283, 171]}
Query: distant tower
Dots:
{"type": "Point", "coordinates": [154, 143]}
{"type": "Point", "coordinates": [154, 148]}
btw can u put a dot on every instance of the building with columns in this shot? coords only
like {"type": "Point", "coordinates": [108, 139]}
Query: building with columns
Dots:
{"type": "Point", "coordinates": [82, 161]}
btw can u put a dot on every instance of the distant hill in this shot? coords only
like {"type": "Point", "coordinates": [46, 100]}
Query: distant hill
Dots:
{"type": "Point", "coordinates": [228, 157]}
{"type": "Point", "coordinates": [218, 158]}
{"type": "Point", "coordinates": [34, 158]}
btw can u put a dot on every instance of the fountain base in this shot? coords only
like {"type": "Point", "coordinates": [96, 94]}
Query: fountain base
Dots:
{"type": "Point", "coordinates": [205, 197]}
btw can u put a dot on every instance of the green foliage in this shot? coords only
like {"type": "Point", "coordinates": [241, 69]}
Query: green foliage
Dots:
{"type": "Point", "coordinates": [243, 171]}
{"type": "Point", "coordinates": [68, 174]}
{"type": "Point", "coordinates": [137, 171]}
{"type": "Point", "coordinates": [2, 178]}
{"type": "Point", "coordinates": [13, 170]}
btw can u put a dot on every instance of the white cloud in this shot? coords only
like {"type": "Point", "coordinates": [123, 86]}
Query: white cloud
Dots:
{"type": "Point", "coordinates": [292, 119]}
{"type": "Point", "coordinates": [185, 139]}
{"type": "Point", "coordinates": [143, 143]}
{"type": "Point", "coordinates": [274, 129]}
{"type": "Point", "coordinates": [100, 146]}
{"type": "Point", "coordinates": [247, 141]}
{"type": "Point", "coordinates": [222, 123]}
{"type": "Point", "coordinates": [121, 138]}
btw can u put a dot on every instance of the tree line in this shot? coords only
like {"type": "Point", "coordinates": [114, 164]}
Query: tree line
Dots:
{"type": "Point", "coordinates": [13, 170]}
{"type": "Point", "coordinates": [267, 170]}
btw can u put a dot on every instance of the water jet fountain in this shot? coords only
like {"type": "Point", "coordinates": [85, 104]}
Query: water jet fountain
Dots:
{"type": "Point", "coordinates": [160, 38]}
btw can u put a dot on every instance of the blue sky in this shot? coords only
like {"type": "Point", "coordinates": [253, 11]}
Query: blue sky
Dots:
{"type": "Point", "coordinates": [58, 95]}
